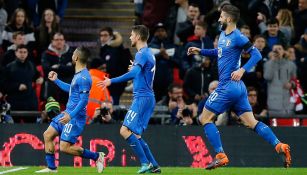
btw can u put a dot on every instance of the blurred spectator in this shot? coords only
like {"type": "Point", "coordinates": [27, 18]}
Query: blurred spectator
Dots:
{"type": "Point", "coordinates": [19, 76]}
{"type": "Point", "coordinates": [245, 30]}
{"type": "Point", "coordinates": [18, 22]}
{"type": "Point", "coordinates": [105, 114]}
{"type": "Point", "coordinates": [174, 101]}
{"type": "Point", "coordinates": [260, 44]}
{"type": "Point", "coordinates": [97, 95]}
{"type": "Point", "coordinates": [197, 79]}
{"type": "Point", "coordinates": [3, 19]}
{"type": "Point", "coordinates": [57, 58]}
{"type": "Point", "coordinates": [301, 60]}
{"type": "Point", "coordinates": [47, 28]}
{"type": "Point", "coordinates": [186, 28]}
{"type": "Point", "coordinates": [9, 55]}
{"type": "Point", "coordinates": [177, 14]}
{"type": "Point", "coordinates": [52, 109]}
{"type": "Point", "coordinates": [164, 51]}
{"type": "Point", "coordinates": [278, 72]}
{"type": "Point", "coordinates": [258, 109]}
{"type": "Point", "coordinates": [301, 46]}
{"type": "Point", "coordinates": [290, 54]}
{"type": "Point", "coordinates": [201, 40]}
{"type": "Point", "coordinates": [5, 108]}
{"type": "Point", "coordinates": [116, 59]}
{"type": "Point", "coordinates": [188, 115]}
{"type": "Point", "coordinates": [272, 34]}
{"type": "Point", "coordinates": [285, 19]}
{"type": "Point", "coordinates": [37, 8]}
{"type": "Point", "coordinates": [300, 19]}
{"type": "Point", "coordinates": [139, 9]}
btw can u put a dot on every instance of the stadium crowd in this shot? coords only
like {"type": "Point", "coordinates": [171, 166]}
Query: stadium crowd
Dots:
{"type": "Point", "coordinates": [32, 44]}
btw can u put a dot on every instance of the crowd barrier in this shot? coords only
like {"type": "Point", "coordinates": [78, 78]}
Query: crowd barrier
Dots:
{"type": "Point", "coordinates": [22, 144]}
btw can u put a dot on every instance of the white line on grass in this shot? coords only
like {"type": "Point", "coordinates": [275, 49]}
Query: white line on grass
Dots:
{"type": "Point", "coordinates": [13, 170]}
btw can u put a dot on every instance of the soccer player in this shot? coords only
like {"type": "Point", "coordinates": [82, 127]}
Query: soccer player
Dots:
{"type": "Point", "coordinates": [231, 91]}
{"type": "Point", "coordinates": [70, 123]}
{"type": "Point", "coordinates": [142, 71]}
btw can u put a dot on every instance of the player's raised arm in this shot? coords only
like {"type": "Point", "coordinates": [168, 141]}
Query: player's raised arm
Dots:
{"type": "Point", "coordinates": [53, 76]}
{"type": "Point", "coordinates": [204, 52]}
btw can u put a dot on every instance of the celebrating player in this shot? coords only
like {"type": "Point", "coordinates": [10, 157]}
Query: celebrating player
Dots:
{"type": "Point", "coordinates": [231, 91]}
{"type": "Point", "coordinates": [70, 123]}
{"type": "Point", "coordinates": [142, 71]}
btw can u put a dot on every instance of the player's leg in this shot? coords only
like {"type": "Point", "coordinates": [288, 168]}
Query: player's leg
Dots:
{"type": "Point", "coordinates": [49, 136]}
{"type": "Point", "coordinates": [212, 133]}
{"type": "Point", "coordinates": [71, 131]}
{"type": "Point", "coordinates": [136, 146]}
{"type": "Point", "coordinates": [149, 105]}
{"type": "Point", "coordinates": [267, 134]}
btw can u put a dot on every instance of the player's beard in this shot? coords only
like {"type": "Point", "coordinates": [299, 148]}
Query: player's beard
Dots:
{"type": "Point", "coordinates": [223, 26]}
{"type": "Point", "coordinates": [133, 44]}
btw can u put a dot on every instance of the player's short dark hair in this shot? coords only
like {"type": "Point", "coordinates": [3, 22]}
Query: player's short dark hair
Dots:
{"type": "Point", "coordinates": [272, 21]}
{"type": "Point", "coordinates": [107, 29]}
{"type": "Point", "coordinates": [232, 11]}
{"type": "Point", "coordinates": [142, 31]}
{"type": "Point", "coordinates": [194, 5]}
{"type": "Point", "coordinates": [84, 54]}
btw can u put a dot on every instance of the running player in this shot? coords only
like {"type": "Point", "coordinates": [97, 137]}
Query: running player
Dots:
{"type": "Point", "coordinates": [142, 71]}
{"type": "Point", "coordinates": [70, 123]}
{"type": "Point", "coordinates": [231, 91]}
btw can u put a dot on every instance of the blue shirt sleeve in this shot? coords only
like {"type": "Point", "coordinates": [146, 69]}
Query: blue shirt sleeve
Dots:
{"type": "Point", "coordinates": [84, 89]}
{"type": "Point", "coordinates": [140, 59]}
{"type": "Point", "coordinates": [127, 76]}
{"type": "Point", "coordinates": [241, 40]}
{"type": "Point", "coordinates": [64, 86]}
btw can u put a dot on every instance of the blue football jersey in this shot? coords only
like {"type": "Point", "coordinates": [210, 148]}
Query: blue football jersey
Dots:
{"type": "Point", "coordinates": [81, 83]}
{"type": "Point", "coordinates": [143, 81]}
{"type": "Point", "coordinates": [230, 48]}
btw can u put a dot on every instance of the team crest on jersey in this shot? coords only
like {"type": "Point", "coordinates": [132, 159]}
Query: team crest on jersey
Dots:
{"type": "Point", "coordinates": [219, 52]}
{"type": "Point", "coordinates": [228, 43]}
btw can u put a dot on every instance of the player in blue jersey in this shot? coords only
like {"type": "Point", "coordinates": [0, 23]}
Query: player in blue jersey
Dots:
{"type": "Point", "coordinates": [231, 91]}
{"type": "Point", "coordinates": [70, 123]}
{"type": "Point", "coordinates": [142, 71]}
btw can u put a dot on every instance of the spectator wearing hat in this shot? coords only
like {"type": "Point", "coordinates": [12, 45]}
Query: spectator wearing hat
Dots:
{"type": "Point", "coordinates": [52, 109]}
{"type": "Point", "coordinates": [164, 51]}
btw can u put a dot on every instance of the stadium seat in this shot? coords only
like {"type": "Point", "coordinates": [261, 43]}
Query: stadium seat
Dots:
{"type": "Point", "coordinates": [285, 122]}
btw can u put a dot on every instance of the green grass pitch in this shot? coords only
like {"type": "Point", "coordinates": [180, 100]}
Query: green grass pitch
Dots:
{"type": "Point", "coordinates": [165, 171]}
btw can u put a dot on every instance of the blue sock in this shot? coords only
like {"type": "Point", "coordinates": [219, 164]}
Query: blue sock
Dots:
{"type": "Point", "coordinates": [50, 159]}
{"type": "Point", "coordinates": [265, 132]}
{"type": "Point", "coordinates": [137, 148]}
{"type": "Point", "coordinates": [90, 155]}
{"type": "Point", "coordinates": [148, 153]}
{"type": "Point", "coordinates": [213, 136]}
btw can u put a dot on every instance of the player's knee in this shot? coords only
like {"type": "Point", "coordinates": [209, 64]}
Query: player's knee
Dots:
{"type": "Point", "coordinates": [206, 119]}
{"type": "Point", "coordinates": [47, 135]}
{"type": "Point", "coordinates": [64, 147]}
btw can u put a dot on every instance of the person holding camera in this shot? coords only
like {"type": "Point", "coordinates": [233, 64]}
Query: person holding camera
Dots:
{"type": "Point", "coordinates": [104, 113]}
{"type": "Point", "coordinates": [278, 72]}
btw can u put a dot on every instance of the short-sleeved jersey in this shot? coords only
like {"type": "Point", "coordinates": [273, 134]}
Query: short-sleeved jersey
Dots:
{"type": "Point", "coordinates": [230, 48]}
{"type": "Point", "coordinates": [143, 81]}
{"type": "Point", "coordinates": [81, 83]}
